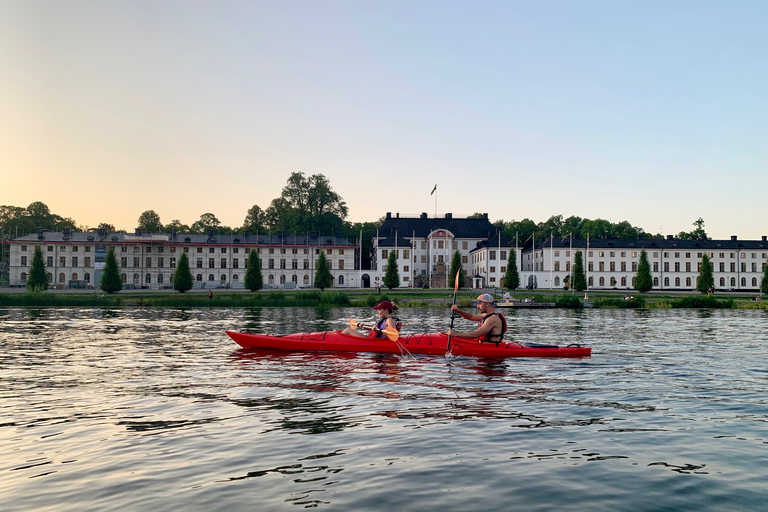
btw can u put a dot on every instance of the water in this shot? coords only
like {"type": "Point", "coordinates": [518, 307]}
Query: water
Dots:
{"type": "Point", "coordinates": [137, 409]}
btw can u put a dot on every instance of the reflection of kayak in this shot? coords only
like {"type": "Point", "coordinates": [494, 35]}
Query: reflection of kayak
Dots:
{"type": "Point", "coordinates": [426, 343]}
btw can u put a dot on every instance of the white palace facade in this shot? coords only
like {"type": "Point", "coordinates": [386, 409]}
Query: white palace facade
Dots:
{"type": "Point", "coordinates": [76, 259]}
{"type": "Point", "coordinates": [423, 246]}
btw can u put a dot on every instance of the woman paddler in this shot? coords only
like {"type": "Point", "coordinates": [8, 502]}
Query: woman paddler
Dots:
{"type": "Point", "coordinates": [385, 322]}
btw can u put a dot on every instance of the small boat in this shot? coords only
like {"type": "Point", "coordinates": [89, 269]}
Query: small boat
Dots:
{"type": "Point", "coordinates": [425, 343]}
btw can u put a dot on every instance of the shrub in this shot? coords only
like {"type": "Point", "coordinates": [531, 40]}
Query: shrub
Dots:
{"type": "Point", "coordinates": [695, 301]}
{"type": "Point", "coordinates": [568, 301]}
{"type": "Point", "coordinates": [618, 302]}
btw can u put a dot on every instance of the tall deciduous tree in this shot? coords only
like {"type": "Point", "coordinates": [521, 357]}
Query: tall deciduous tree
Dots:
{"type": "Point", "coordinates": [392, 276]}
{"type": "Point", "coordinates": [38, 279]}
{"type": "Point", "coordinates": [323, 277]}
{"type": "Point", "coordinates": [255, 220]}
{"type": "Point", "coordinates": [176, 225]}
{"type": "Point", "coordinates": [207, 221]}
{"type": "Point", "coordinates": [643, 280]}
{"type": "Point", "coordinates": [706, 275]}
{"type": "Point", "coordinates": [456, 266]}
{"type": "Point", "coordinates": [182, 276]}
{"type": "Point", "coordinates": [579, 281]}
{"type": "Point", "coordinates": [307, 204]}
{"type": "Point", "coordinates": [697, 233]}
{"type": "Point", "coordinates": [110, 279]}
{"type": "Point", "coordinates": [109, 228]}
{"type": "Point", "coordinates": [149, 222]}
{"type": "Point", "coordinates": [511, 276]}
{"type": "Point", "coordinates": [253, 278]}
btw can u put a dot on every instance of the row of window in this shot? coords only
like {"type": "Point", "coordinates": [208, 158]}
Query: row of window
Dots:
{"type": "Point", "coordinates": [160, 249]}
{"type": "Point", "coordinates": [699, 255]}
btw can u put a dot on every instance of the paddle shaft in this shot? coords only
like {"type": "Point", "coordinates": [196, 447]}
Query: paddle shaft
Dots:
{"type": "Point", "coordinates": [453, 313]}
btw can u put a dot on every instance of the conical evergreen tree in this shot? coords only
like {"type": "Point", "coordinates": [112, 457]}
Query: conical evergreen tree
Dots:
{"type": "Point", "coordinates": [253, 278]}
{"type": "Point", "coordinates": [643, 280]}
{"type": "Point", "coordinates": [392, 276]}
{"type": "Point", "coordinates": [323, 277]}
{"type": "Point", "coordinates": [579, 281]}
{"type": "Point", "coordinates": [706, 275]}
{"type": "Point", "coordinates": [456, 266]}
{"type": "Point", "coordinates": [764, 284]}
{"type": "Point", "coordinates": [38, 279]}
{"type": "Point", "coordinates": [182, 276]}
{"type": "Point", "coordinates": [511, 276]}
{"type": "Point", "coordinates": [110, 279]}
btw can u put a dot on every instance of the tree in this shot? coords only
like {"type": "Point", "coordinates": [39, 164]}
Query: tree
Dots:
{"type": "Point", "coordinates": [764, 284]}
{"type": "Point", "coordinates": [253, 278]}
{"type": "Point", "coordinates": [149, 222]}
{"type": "Point", "coordinates": [307, 204]}
{"type": "Point", "coordinates": [110, 279]}
{"type": "Point", "coordinates": [207, 221]}
{"type": "Point", "coordinates": [39, 215]}
{"type": "Point", "coordinates": [323, 277]}
{"type": "Point", "coordinates": [579, 279]}
{"type": "Point", "coordinates": [511, 276]}
{"type": "Point", "coordinates": [38, 279]}
{"type": "Point", "coordinates": [176, 225]}
{"type": "Point", "coordinates": [182, 276]}
{"type": "Point", "coordinates": [109, 228]}
{"type": "Point", "coordinates": [456, 266]}
{"type": "Point", "coordinates": [643, 280]}
{"type": "Point", "coordinates": [255, 220]}
{"type": "Point", "coordinates": [696, 233]}
{"type": "Point", "coordinates": [706, 275]}
{"type": "Point", "coordinates": [392, 276]}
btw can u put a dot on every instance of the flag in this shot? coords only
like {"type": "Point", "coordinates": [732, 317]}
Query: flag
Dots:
{"type": "Point", "coordinates": [433, 190]}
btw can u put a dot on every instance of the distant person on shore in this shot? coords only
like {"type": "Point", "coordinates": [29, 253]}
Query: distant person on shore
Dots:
{"type": "Point", "coordinates": [492, 324]}
{"type": "Point", "coordinates": [385, 322]}
{"type": "Point", "coordinates": [210, 294]}
{"type": "Point", "coordinates": [506, 297]}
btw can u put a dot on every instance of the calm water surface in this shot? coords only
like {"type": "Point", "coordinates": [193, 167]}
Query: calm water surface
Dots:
{"type": "Point", "coordinates": [137, 409]}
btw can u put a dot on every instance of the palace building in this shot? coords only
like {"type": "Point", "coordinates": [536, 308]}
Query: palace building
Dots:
{"type": "Point", "coordinates": [423, 247]}
{"type": "Point", "coordinates": [76, 259]}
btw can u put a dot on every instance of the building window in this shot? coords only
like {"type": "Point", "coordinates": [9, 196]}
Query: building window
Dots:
{"type": "Point", "coordinates": [235, 277]}
{"type": "Point", "coordinates": [341, 279]}
{"type": "Point", "coordinates": [199, 277]}
{"type": "Point", "coordinates": [159, 278]}
{"type": "Point", "coordinates": [223, 262]}
{"type": "Point", "coordinates": [23, 261]}
{"type": "Point", "coordinates": [62, 261]}
{"type": "Point", "coordinates": [211, 277]}
{"type": "Point", "coordinates": [23, 277]}
{"type": "Point", "coordinates": [235, 263]}
{"type": "Point", "coordinates": [294, 264]}
{"type": "Point", "coordinates": [677, 282]}
{"type": "Point", "coordinates": [199, 262]}
{"type": "Point", "coordinates": [74, 261]}
{"type": "Point", "coordinates": [173, 262]}
{"type": "Point", "coordinates": [211, 263]}
{"type": "Point", "coordinates": [602, 281]}
{"type": "Point", "coordinates": [624, 281]}
{"type": "Point", "coordinates": [87, 277]}
{"type": "Point", "coordinates": [148, 278]}
{"type": "Point", "coordinates": [149, 262]}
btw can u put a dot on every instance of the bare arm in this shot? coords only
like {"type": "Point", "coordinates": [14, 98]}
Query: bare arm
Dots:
{"type": "Point", "coordinates": [464, 314]}
{"type": "Point", "coordinates": [481, 331]}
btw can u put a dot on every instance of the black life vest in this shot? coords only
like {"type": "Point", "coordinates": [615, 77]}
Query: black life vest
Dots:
{"type": "Point", "coordinates": [492, 338]}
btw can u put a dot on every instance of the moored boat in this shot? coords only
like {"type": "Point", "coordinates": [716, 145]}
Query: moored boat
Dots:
{"type": "Point", "coordinates": [424, 343]}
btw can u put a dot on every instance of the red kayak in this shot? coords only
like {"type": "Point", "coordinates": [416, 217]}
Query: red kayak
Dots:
{"type": "Point", "coordinates": [427, 343]}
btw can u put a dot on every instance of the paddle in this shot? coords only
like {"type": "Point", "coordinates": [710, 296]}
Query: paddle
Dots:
{"type": "Point", "coordinates": [453, 313]}
{"type": "Point", "coordinates": [392, 334]}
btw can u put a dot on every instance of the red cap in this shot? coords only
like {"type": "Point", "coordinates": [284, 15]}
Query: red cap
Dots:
{"type": "Point", "coordinates": [385, 304]}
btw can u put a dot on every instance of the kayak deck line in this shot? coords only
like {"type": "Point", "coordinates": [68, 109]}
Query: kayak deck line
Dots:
{"type": "Point", "coordinates": [418, 343]}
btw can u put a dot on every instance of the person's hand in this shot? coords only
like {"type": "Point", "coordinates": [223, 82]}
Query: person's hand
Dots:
{"type": "Point", "coordinates": [360, 325]}
{"type": "Point", "coordinates": [454, 307]}
{"type": "Point", "coordinates": [451, 332]}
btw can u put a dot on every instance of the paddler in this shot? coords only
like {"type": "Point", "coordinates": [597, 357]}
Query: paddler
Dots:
{"type": "Point", "coordinates": [492, 324]}
{"type": "Point", "coordinates": [385, 322]}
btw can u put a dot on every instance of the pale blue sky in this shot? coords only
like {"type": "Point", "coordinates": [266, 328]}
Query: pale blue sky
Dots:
{"type": "Point", "coordinates": [652, 112]}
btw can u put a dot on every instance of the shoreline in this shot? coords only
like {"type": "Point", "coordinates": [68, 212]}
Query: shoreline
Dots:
{"type": "Point", "coordinates": [369, 298]}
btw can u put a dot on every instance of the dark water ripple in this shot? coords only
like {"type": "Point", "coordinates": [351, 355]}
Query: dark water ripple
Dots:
{"type": "Point", "coordinates": [136, 409]}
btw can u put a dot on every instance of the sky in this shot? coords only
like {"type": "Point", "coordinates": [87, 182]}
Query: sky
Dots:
{"type": "Point", "coordinates": [654, 112]}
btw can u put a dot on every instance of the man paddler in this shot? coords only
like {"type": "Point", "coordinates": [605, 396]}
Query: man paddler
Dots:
{"type": "Point", "coordinates": [492, 324]}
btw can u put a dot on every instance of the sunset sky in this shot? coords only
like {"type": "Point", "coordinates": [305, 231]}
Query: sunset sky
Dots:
{"type": "Point", "coordinates": [654, 112]}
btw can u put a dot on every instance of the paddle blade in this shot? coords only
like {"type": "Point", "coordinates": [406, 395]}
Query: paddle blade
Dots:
{"type": "Point", "coordinates": [353, 323]}
{"type": "Point", "coordinates": [392, 334]}
{"type": "Point", "coordinates": [456, 284]}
